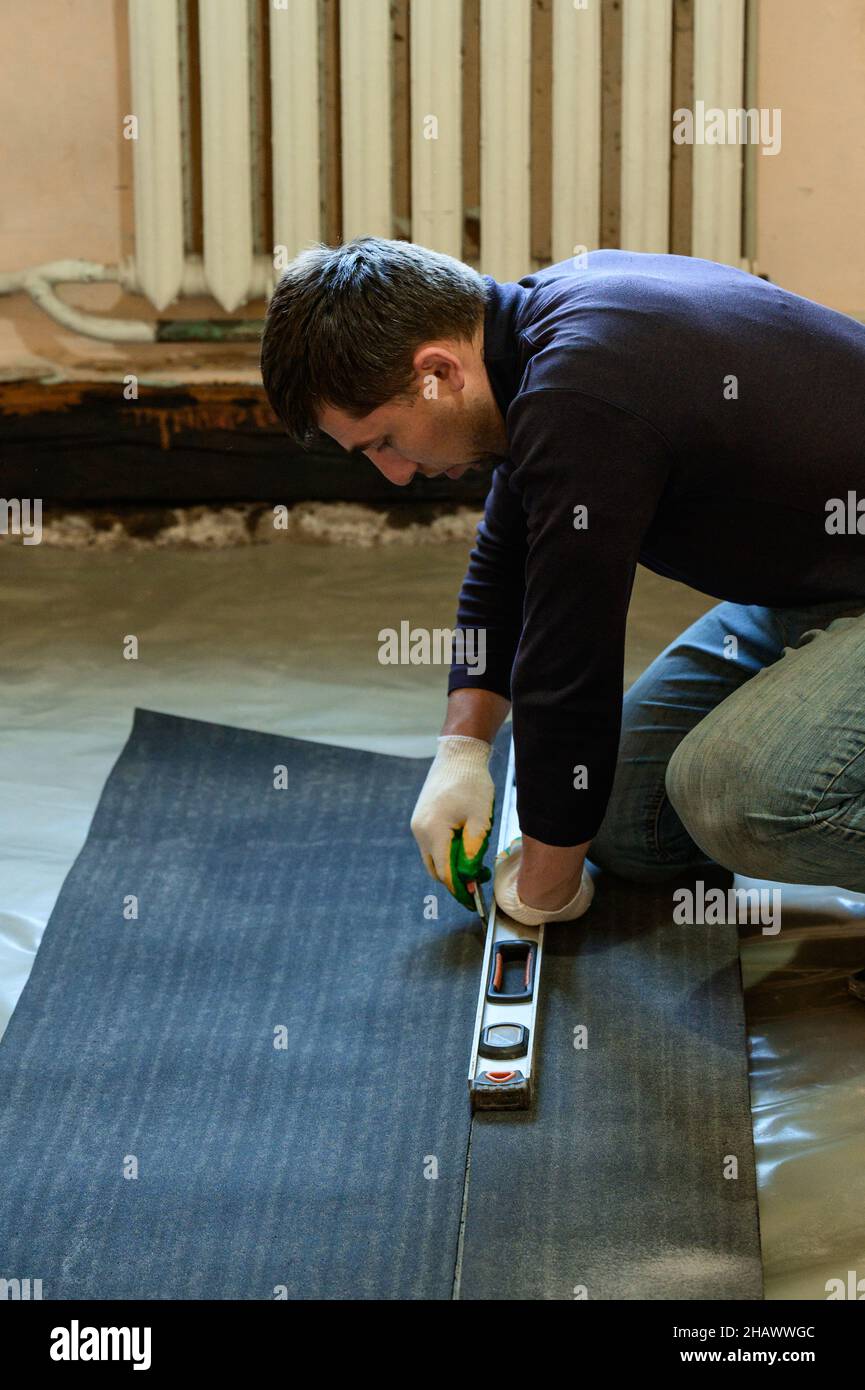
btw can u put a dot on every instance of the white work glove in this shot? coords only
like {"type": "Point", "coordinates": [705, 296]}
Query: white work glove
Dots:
{"type": "Point", "coordinates": [458, 794]}
{"type": "Point", "coordinates": [507, 868]}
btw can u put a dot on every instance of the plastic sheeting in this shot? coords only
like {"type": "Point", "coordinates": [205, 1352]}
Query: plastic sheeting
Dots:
{"type": "Point", "coordinates": [807, 1045]}
{"type": "Point", "coordinates": [284, 639]}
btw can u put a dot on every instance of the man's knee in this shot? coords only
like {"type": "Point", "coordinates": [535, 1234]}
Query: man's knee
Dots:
{"type": "Point", "coordinates": [731, 798]}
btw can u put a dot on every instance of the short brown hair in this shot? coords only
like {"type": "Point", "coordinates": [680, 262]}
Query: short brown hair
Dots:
{"type": "Point", "coordinates": [344, 322]}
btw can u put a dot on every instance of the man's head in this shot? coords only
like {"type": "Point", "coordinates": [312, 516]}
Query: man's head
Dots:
{"type": "Point", "coordinates": [380, 344]}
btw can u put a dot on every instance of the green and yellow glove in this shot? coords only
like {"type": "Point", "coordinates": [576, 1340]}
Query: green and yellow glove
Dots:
{"type": "Point", "coordinates": [453, 817]}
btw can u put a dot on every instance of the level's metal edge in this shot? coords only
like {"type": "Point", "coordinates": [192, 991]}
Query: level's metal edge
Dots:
{"type": "Point", "coordinates": [503, 842]}
{"type": "Point", "coordinates": [511, 1098]}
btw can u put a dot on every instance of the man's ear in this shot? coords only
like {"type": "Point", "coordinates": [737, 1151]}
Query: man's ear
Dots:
{"type": "Point", "coordinates": [441, 362]}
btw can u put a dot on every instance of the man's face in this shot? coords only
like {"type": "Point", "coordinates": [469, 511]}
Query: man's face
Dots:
{"type": "Point", "coordinates": [450, 424]}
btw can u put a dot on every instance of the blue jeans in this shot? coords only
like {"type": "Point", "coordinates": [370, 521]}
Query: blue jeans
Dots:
{"type": "Point", "coordinates": [743, 744]}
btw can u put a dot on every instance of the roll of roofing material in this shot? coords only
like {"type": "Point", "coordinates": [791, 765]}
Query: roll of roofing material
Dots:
{"type": "Point", "coordinates": [238, 1067]}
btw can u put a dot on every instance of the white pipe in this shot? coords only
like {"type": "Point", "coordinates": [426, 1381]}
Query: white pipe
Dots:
{"type": "Point", "coordinates": [38, 282]}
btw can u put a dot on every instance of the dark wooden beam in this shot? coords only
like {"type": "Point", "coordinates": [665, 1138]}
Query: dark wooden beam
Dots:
{"type": "Point", "coordinates": [82, 442]}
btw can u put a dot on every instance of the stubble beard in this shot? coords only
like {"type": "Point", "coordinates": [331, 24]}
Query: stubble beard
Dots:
{"type": "Point", "coordinates": [487, 444]}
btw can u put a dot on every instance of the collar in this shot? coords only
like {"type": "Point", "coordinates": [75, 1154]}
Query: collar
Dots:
{"type": "Point", "coordinates": [504, 350]}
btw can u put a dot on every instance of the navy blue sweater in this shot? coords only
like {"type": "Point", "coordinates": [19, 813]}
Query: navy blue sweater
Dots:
{"type": "Point", "coordinates": [703, 419]}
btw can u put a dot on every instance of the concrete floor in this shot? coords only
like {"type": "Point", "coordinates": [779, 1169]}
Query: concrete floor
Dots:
{"type": "Point", "coordinates": [283, 638]}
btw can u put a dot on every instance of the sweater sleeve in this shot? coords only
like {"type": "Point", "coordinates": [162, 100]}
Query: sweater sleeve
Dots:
{"type": "Point", "coordinates": [589, 476]}
{"type": "Point", "coordinates": [490, 606]}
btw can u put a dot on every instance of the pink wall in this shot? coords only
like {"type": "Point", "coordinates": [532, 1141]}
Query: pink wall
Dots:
{"type": "Point", "coordinates": [67, 170]}
{"type": "Point", "coordinates": [811, 196]}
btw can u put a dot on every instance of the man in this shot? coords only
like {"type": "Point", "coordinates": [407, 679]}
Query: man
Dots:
{"type": "Point", "coordinates": [648, 409]}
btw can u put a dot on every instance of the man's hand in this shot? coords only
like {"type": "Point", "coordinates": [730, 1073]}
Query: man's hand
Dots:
{"type": "Point", "coordinates": [457, 796]}
{"type": "Point", "coordinates": [550, 874]}
{"type": "Point", "coordinates": [454, 813]}
{"type": "Point", "coordinates": [537, 883]}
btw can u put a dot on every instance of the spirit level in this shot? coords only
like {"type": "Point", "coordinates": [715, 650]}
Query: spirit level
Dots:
{"type": "Point", "coordinates": [500, 1071]}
